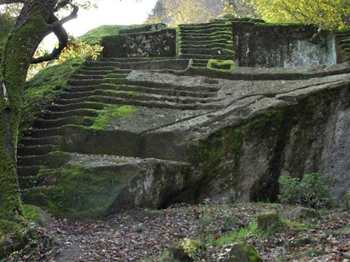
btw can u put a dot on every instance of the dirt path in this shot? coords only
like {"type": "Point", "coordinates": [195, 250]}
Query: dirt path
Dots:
{"type": "Point", "coordinates": [144, 235]}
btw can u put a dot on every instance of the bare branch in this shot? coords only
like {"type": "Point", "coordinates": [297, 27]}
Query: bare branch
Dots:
{"type": "Point", "coordinates": [61, 34]}
{"type": "Point", "coordinates": [73, 15]}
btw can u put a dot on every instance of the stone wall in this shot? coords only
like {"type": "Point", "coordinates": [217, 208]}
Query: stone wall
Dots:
{"type": "Point", "coordinates": [269, 45]}
{"type": "Point", "coordinates": [161, 43]}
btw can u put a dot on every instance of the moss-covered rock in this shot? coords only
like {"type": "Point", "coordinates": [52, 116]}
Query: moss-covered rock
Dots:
{"type": "Point", "coordinates": [300, 213]}
{"type": "Point", "coordinates": [36, 214]}
{"type": "Point", "coordinates": [269, 222]}
{"type": "Point", "coordinates": [221, 64]}
{"type": "Point", "coordinates": [13, 236]}
{"type": "Point", "coordinates": [186, 250]}
{"type": "Point", "coordinates": [240, 252]}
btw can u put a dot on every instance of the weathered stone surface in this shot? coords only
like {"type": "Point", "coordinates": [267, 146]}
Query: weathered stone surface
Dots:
{"type": "Point", "coordinates": [202, 133]}
{"type": "Point", "coordinates": [296, 45]}
{"type": "Point", "coordinates": [300, 213]}
{"type": "Point", "coordinates": [88, 185]}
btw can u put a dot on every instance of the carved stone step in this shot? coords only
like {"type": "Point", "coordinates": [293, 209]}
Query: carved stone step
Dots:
{"type": "Point", "coordinates": [208, 51]}
{"type": "Point", "coordinates": [30, 141]}
{"type": "Point", "coordinates": [205, 56]}
{"type": "Point", "coordinates": [84, 105]}
{"type": "Point", "coordinates": [75, 120]}
{"type": "Point", "coordinates": [34, 150]}
{"type": "Point", "coordinates": [27, 171]}
{"type": "Point", "coordinates": [79, 112]}
{"type": "Point", "coordinates": [102, 95]}
{"type": "Point", "coordinates": [91, 90]}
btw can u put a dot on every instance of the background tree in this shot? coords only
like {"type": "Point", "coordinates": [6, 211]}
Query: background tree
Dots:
{"type": "Point", "coordinates": [239, 8]}
{"type": "Point", "coordinates": [175, 12]}
{"type": "Point", "coordinates": [325, 13]}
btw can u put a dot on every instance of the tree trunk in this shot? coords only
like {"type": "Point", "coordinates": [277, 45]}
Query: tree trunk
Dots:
{"type": "Point", "coordinates": [31, 27]}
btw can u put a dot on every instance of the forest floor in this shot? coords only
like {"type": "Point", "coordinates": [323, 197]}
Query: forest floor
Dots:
{"type": "Point", "coordinates": [145, 235]}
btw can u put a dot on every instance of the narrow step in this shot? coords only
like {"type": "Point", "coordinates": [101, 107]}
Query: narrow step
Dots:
{"type": "Point", "coordinates": [98, 103]}
{"type": "Point", "coordinates": [75, 120]}
{"type": "Point", "coordinates": [206, 30]}
{"type": "Point", "coordinates": [200, 62]}
{"type": "Point", "coordinates": [84, 105]}
{"type": "Point", "coordinates": [30, 141]}
{"type": "Point", "coordinates": [203, 88]}
{"type": "Point", "coordinates": [208, 51]}
{"type": "Point", "coordinates": [175, 91]}
{"type": "Point", "coordinates": [80, 82]}
{"type": "Point", "coordinates": [34, 150]}
{"type": "Point", "coordinates": [206, 42]}
{"type": "Point", "coordinates": [41, 160]}
{"type": "Point", "coordinates": [98, 68]}
{"type": "Point", "coordinates": [103, 64]}
{"type": "Point", "coordinates": [203, 56]}
{"type": "Point", "coordinates": [45, 180]}
{"type": "Point", "coordinates": [208, 38]}
{"type": "Point", "coordinates": [79, 112]}
{"type": "Point", "coordinates": [93, 72]}
{"type": "Point", "coordinates": [121, 97]}
{"type": "Point", "coordinates": [208, 45]}
{"type": "Point", "coordinates": [27, 171]}
{"type": "Point", "coordinates": [210, 33]}
{"type": "Point", "coordinates": [134, 85]}
{"type": "Point", "coordinates": [89, 82]}
{"type": "Point", "coordinates": [87, 76]}
{"type": "Point", "coordinates": [200, 25]}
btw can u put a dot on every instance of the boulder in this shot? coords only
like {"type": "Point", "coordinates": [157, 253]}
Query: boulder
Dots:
{"type": "Point", "coordinates": [269, 221]}
{"type": "Point", "coordinates": [301, 213]}
{"type": "Point", "coordinates": [240, 252]}
{"type": "Point", "coordinates": [186, 249]}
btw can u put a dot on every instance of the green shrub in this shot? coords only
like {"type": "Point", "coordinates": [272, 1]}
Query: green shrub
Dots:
{"type": "Point", "coordinates": [311, 191]}
{"type": "Point", "coordinates": [288, 189]}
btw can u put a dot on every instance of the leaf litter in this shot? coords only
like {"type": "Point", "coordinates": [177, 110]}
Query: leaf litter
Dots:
{"type": "Point", "coordinates": [144, 235]}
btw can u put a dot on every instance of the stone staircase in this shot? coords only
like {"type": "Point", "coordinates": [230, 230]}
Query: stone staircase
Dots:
{"type": "Point", "coordinates": [66, 127]}
{"type": "Point", "coordinates": [343, 41]}
{"type": "Point", "coordinates": [202, 42]}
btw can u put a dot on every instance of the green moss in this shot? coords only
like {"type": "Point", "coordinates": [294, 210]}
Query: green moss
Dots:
{"type": "Point", "coordinates": [81, 193]}
{"type": "Point", "coordinates": [111, 112]}
{"type": "Point", "coordinates": [209, 153]}
{"type": "Point", "coordinates": [235, 236]}
{"type": "Point", "coordinates": [264, 121]}
{"type": "Point", "coordinates": [95, 35]}
{"type": "Point", "coordinates": [252, 253]}
{"type": "Point", "coordinates": [9, 195]}
{"type": "Point", "coordinates": [12, 237]}
{"type": "Point", "coordinates": [270, 127]}
{"type": "Point", "coordinates": [36, 214]}
{"type": "Point", "coordinates": [221, 64]}
{"type": "Point", "coordinates": [43, 88]}
{"type": "Point", "coordinates": [186, 249]}
{"type": "Point", "coordinates": [6, 23]}
{"type": "Point", "coordinates": [269, 222]}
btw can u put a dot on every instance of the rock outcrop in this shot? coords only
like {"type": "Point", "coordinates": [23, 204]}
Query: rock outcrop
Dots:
{"type": "Point", "coordinates": [148, 133]}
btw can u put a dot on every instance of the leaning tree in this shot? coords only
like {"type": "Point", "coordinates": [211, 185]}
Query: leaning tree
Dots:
{"type": "Point", "coordinates": [35, 20]}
